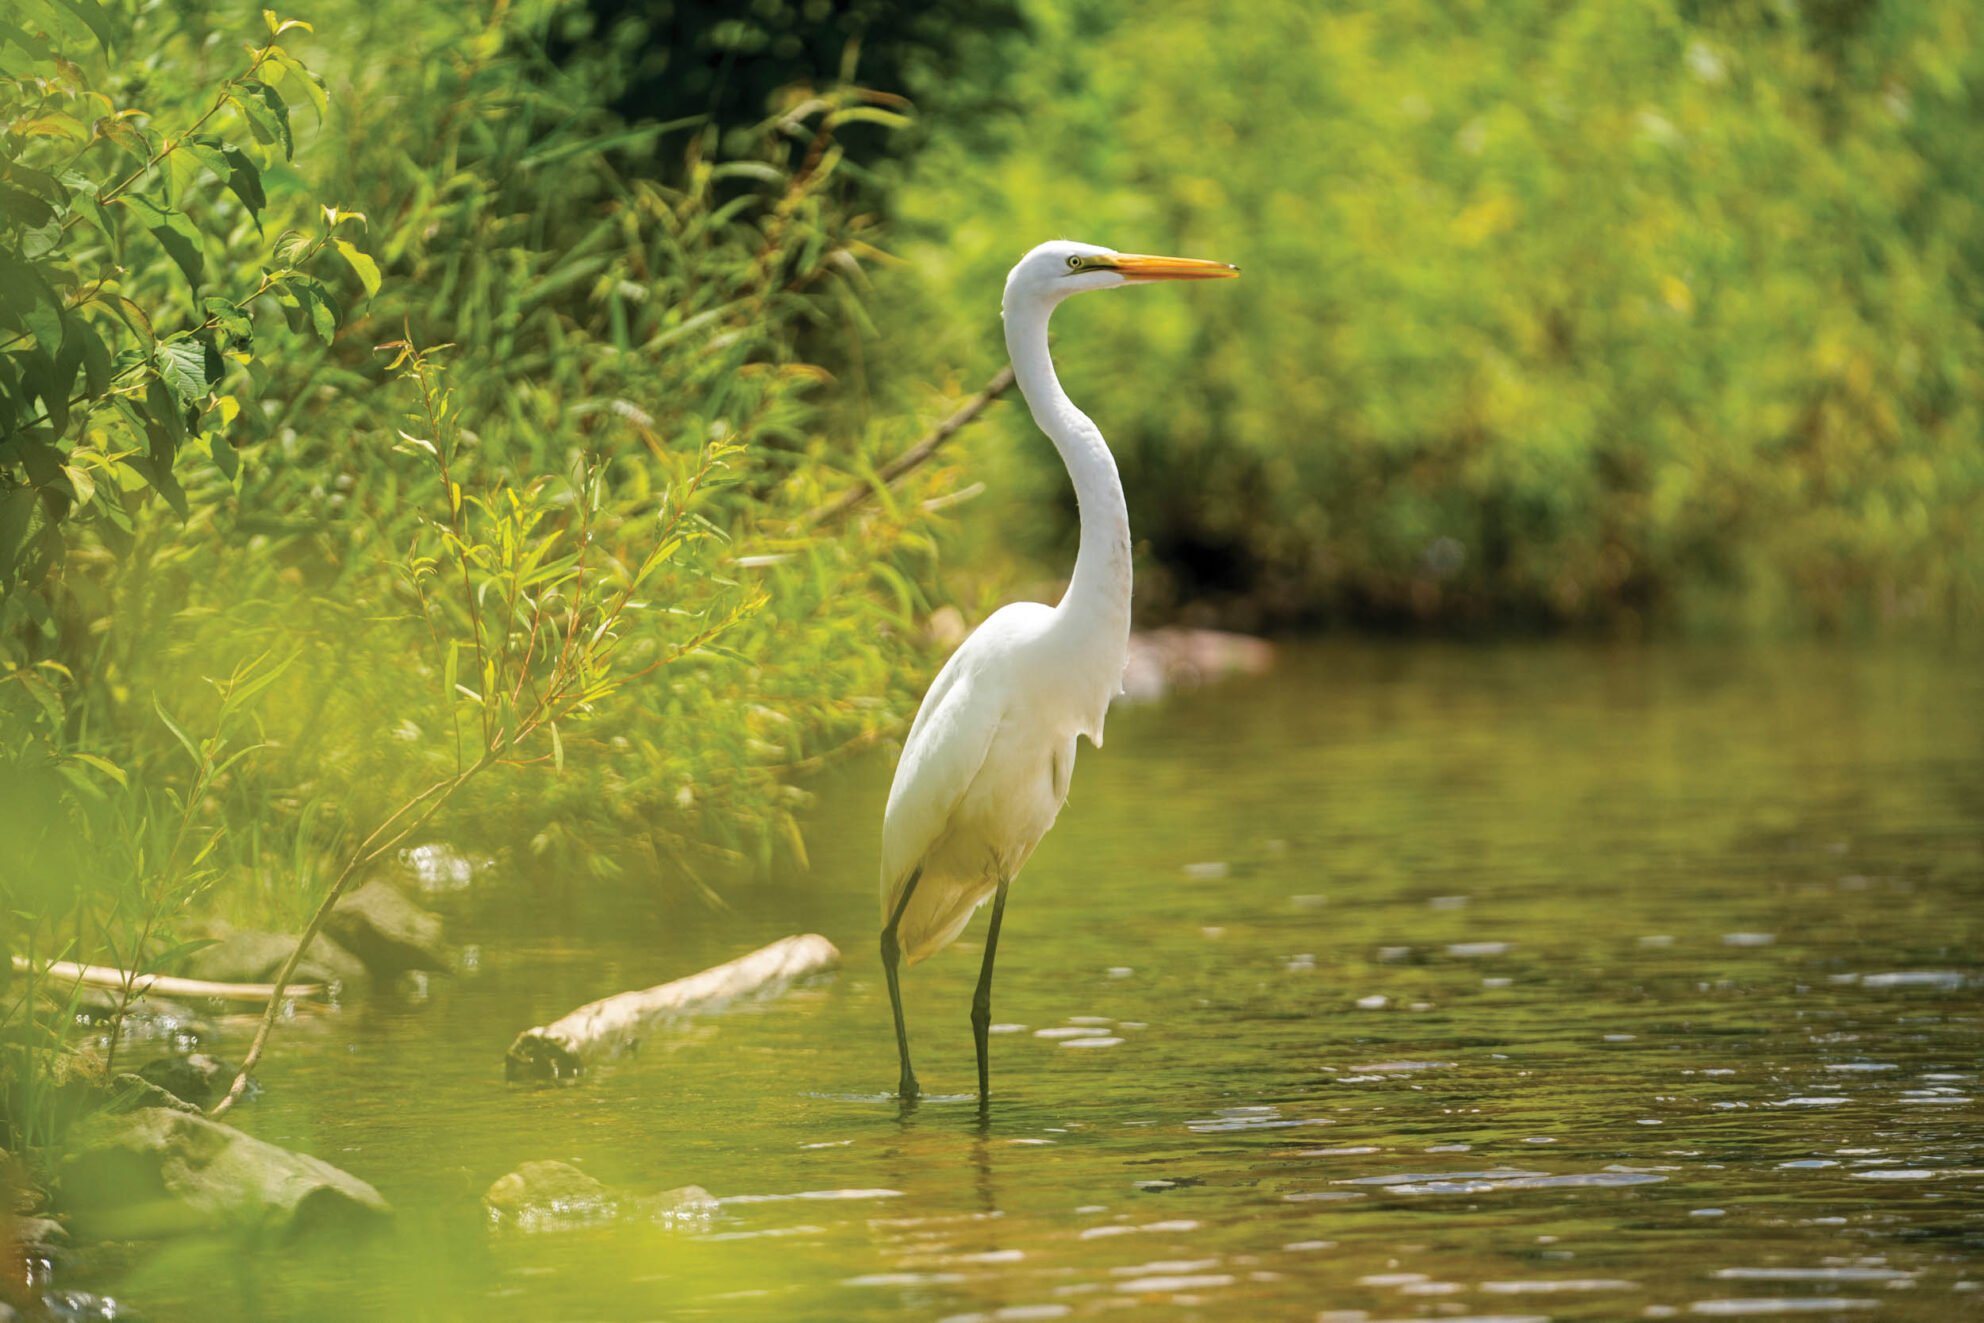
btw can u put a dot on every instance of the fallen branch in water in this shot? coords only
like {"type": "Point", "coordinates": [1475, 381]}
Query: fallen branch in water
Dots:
{"type": "Point", "coordinates": [916, 454]}
{"type": "Point", "coordinates": [164, 985]}
{"type": "Point", "coordinates": [615, 1026]}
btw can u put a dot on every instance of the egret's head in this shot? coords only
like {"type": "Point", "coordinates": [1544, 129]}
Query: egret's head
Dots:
{"type": "Point", "coordinates": [1062, 267]}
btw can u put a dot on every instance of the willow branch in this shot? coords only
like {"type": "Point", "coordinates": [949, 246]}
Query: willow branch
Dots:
{"type": "Point", "coordinates": [917, 454]}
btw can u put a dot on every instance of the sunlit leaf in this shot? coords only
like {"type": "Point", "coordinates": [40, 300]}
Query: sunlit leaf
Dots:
{"type": "Point", "coordinates": [174, 231]}
{"type": "Point", "coordinates": [367, 269]}
{"type": "Point", "coordinates": [267, 112]}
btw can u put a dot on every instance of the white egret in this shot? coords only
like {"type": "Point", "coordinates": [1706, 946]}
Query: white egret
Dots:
{"type": "Point", "coordinates": [986, 767]}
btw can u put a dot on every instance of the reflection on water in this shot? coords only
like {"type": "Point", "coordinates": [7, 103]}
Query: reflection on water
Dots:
{"type": "Point", "coordinates": [1551, 983]}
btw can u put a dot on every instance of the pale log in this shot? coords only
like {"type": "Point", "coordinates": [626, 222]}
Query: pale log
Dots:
{"type": "Point", "coordinates": [164, 985]}
{"type": "Point", "coordinates": [616, 1026]}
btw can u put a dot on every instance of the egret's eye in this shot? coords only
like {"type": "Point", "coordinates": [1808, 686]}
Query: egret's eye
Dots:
{"type": "Point", "coordinates": [1074, 264]}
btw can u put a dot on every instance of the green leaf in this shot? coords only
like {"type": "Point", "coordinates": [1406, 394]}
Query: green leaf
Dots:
{"type": "Point", "coordinates": [81, 485]}
{"type": "Point", "coordinates": [16, 508]}
{"type": "Point", "coordinates": [96, 357]}
{"type": "Point", "coordinates": [174, 232]}
{"type": "Point", "coordinates": [162, 482]}
{"type": "Point", "coordinates": [165, 422]}
{"type": "Point", "coordinates": [24, 208]}
{"type": "Point", "coordinates": [45, 376]}
{"type": "Point", "coordinates": [367, 269]}
{"type": "Point", "coordinates": [40, 182]}
{"type": "Point", "coordinates": [33, 46]}
{"type": "Point", "coordinates": [178, 734]}
{"type": "Point", "coordinates": [312, 85]}
{"type": "Point", "coordinates": [242, 177]}
{"type": "Point", "coordinates": [268, 114]}
{"type": "Point", "coordinates": [101, 764]}
{"type": "Point", "coordinates": [172, 955]}
{"type": "Point", "coordinates": [94, 18]}
{"type": "Point", "coordinates": [226, 458]}
{"type": "Point", "coordinates": [307, 302]}
{"type": "Point", "coordinates": [232, 323]}
{"type": "Point", "coordinates": [43, 316]}
{"type": "Point", "coordinates": [70, 359]}
{"type": "Point", "coordinates": [189, 368]}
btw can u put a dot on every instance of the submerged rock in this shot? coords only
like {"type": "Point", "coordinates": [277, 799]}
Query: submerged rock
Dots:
{"type": "Point", "coordinates": [196, 1079]}
{"type": "Point", "coordinates": [248, 956]}
{"type": "Point", "coordinates": [549, 1196]}
{"type": "Point", "coordinates": [556, 1196]}
{"type": "Point", "coordinates": [159, 1172]}
{"type": "Point", "coordinates": [81, 1307]}
{"type": "Point", "coordinates": [390, 933]}
{"type": "Point", "coordinates": [685, 1205]}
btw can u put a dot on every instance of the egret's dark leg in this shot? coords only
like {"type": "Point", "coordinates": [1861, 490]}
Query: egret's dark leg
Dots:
{"type": "Point", "coordinates": [891, 953]}
{"type": "Point", "coordinates": [981, 1001]}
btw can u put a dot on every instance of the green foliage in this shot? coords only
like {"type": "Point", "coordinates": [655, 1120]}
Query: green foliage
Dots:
{"type": "Point", "coordinates": [110, 369]}
{"type": "Point", "coordinates": [601, 499]}
{"type": "Point", "coordinates": [721, 64]}
{"type": "Point", "coordinates": [1551, 313]}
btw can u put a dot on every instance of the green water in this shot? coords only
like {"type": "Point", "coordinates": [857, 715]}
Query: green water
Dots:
{"type": "Point", "coordinates": [1533, 982]}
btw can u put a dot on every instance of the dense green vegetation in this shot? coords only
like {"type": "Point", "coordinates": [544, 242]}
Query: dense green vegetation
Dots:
{"type": "Point", "coordinates": [375, 406]}
{"type": "Point", "coordinates": [416, 411]}
{"type": "Point", "coordinates": [1553, 313]}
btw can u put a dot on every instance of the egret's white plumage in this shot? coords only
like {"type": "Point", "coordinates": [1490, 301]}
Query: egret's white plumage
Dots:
{"type": "Point", "coordinates": [989, 757]}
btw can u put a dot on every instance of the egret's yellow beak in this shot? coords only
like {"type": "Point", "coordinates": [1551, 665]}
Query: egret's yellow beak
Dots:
{"type": "Point", "coordinates": [1139, 267]}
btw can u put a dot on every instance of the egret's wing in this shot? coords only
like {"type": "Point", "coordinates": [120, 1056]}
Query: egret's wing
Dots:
{"type": "Point", "coordinates": [947, 744]}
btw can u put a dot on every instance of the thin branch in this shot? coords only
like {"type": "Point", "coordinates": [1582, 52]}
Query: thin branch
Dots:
{"type": "Point", "coordinates": [368, 850]}
{"type": "Point", "coordinates": [914, 456]}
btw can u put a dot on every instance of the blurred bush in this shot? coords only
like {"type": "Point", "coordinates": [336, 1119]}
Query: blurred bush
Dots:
{"type": "Point", "coordinates": [1553, 313]}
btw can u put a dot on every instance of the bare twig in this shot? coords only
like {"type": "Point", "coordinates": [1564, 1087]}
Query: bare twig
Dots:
{"type": "Point", "coordinates": [909, 459]}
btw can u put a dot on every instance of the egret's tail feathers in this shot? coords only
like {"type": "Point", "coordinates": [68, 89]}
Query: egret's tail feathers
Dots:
{"type": "Point", "coordinates": [937, 913]}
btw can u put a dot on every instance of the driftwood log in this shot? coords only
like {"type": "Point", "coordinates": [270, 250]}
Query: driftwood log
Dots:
{"type": "Point", "coordinates": [164, 985]}
{"type": "Point", "coordinates": [566, 1048]}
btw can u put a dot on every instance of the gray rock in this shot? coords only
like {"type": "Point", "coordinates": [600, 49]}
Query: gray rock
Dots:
{"type": "Point", "coordinates": [197, 1079]}
{"type": "Point", "coordinates": [549, 1196]}
{"type": "Point", "coordinates": [247, 956]}
{"type": "Point", "coordinates": [556, 1196]}
{"type": "Point", "coordinates": [39, 1234]}
{"type": "Point", "coordinates": [158, 1172]}
{"type": "Point", "coordinates": [126, 1092]}
{"type": "Point", "coordinates": [389, 932]}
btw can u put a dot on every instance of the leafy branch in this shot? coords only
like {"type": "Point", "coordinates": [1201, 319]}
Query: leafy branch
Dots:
{"type": "Point", "coordinates": [548, 655]}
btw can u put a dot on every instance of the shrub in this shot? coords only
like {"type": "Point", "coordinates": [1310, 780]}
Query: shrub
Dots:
{"type": "Point", "coordinates": [1552, 313]}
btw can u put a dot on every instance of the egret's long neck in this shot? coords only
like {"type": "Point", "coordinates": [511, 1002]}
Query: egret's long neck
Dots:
{"type": "Point", "coordinates": [1097, 603]}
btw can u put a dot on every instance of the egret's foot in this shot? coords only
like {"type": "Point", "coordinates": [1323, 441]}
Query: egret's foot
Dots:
{"type": "Point", "coordinates": [907, 1089]}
